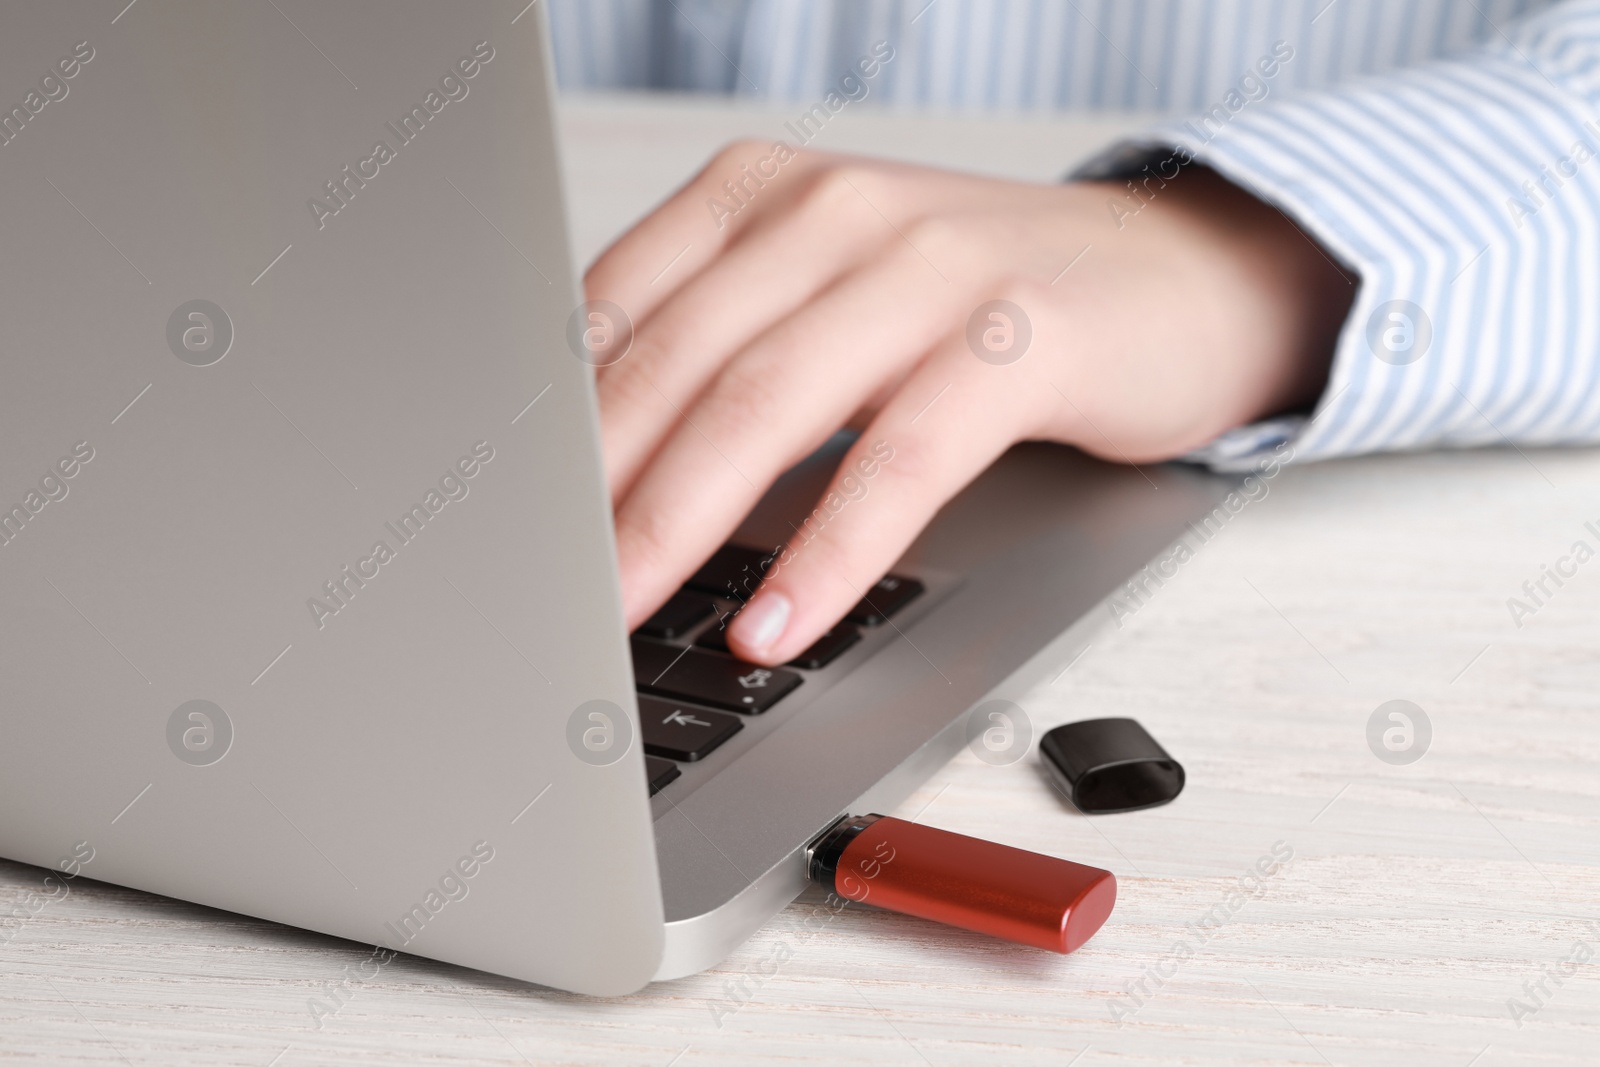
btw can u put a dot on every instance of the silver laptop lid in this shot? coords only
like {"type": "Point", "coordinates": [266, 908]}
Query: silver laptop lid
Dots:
{"type": "Point", "coordinates": [306, 561]}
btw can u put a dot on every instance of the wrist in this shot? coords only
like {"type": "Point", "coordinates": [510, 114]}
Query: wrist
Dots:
{"type": "Point", "coordinates": [1280, 271]}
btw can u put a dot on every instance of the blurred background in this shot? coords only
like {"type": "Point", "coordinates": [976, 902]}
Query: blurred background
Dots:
{"type": "Point", "coordinates": [1007, 56]}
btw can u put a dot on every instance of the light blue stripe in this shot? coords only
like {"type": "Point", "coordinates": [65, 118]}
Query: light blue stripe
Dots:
{"type": "Point", "coordinates": [1508, 345]}
{"type": "Point", "coordinates": [1397, 170]}
{"type": "Point", "coordinates": [1537, 94]}
{"type": "Point", "coordinates": [1495, 227]}
{"type": "Point", "coordinates": [657, 43]}
{"type": "Point", "coordinates": [1450, 324]}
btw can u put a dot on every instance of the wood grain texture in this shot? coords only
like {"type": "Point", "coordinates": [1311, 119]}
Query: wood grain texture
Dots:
{"type": "Point", "coordinates": [1418, 902]}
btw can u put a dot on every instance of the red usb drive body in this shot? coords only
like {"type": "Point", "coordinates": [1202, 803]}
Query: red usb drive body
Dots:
{"type": "Point", "coordinates": [961, 881]}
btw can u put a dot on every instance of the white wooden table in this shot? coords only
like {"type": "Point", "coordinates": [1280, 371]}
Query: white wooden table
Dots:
{"type": "Point", "coordinates": [1420, 900]}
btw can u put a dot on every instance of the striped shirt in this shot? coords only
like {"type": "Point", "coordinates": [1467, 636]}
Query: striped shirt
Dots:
{"type": "Point", "coordinates": [1445, 151]}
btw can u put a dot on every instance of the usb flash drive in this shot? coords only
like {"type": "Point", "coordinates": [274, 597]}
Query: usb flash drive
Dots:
{"type": "Point", "coordinates": [961, 881]}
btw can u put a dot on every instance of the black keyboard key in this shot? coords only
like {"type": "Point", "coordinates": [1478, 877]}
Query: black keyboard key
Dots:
{"type": "Point", "coordinates": [703, 677]}
{"type": "Point", "coordinates": [884, 599]}
{"type": "Point", "coordinates": [827, 648]}
{"type": "Point", "coordinates": [733, 571]}
{"type": "Point", "coordinates": [682, 612]}
{"type": "Point", "coordinates": [680, 732]}
{"type": "Point", "coordinates": [823, 651]}
{"type": "Point", "coordinates": [716, 638]}
{"type": "Point", "coordinates": [659, 772]}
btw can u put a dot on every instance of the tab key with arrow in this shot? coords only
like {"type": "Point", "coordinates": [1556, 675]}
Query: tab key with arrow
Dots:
{"type": "Point", "coordinates": [683, 733]}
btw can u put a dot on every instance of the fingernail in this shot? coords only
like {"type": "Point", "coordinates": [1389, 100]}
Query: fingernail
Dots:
{"type": "Point", "coordinates": [760, 622]}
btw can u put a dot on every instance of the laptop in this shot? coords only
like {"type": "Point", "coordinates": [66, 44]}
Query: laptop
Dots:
{"type": "Point", "coordinates": [311, 604]}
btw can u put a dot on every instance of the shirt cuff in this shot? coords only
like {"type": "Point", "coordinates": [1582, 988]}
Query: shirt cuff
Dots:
{"type": "Point", "coordinates": [1475, 321]}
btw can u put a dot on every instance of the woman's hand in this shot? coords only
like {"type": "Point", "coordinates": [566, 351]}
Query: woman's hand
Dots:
{"type": "Point", "coordinates": [845, 291]}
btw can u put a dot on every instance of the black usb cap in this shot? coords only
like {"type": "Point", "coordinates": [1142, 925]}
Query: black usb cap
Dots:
{"type": "Point", "coordinates": [1110, 765]}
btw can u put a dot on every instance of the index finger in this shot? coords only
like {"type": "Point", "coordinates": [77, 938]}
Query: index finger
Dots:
{"type": "Point", "coordinates": [950, 420]}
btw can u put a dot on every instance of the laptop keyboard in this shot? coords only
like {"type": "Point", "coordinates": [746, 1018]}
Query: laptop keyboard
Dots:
{"type": "Point", "coordinates": [682, 732]}
{"type": "Point", "coordinates": [688, 682]}
{"type": "Point", "coordinates": [660, 772]}
{"type": "Point", "coordinates": [683, 612]}
{"type": "Point", "coordinates": [708, 678]}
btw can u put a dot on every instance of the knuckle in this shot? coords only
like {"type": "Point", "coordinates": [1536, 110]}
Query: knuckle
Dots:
{"type": "Point", "coordinates": [659, 340]}
{"type": "Point", "coordinates": [730, 157]}
{"type": "Point", "coordinates": [663, 348]}
{"type": "Point", "coordinates": [910, 459]}
{"type": "Point", "coordinates": [643, 534]}
{"type": "Point", "coordinates": [623, 389]}
{"type": "Point", "coordinates": [829, 555]}
{"type": "Point", "coordinates": [742, 403]}
{"type": "Point", "coordinates": [815, 544]}
{"type": "Point", "coordinates": [936, 237]}
{"type": "Point", "coordinates": [1024, 292]}
{"type": "Point", "coordinates": [742, 148]}
{"type": "Point", "coordinates": [836, 186]}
